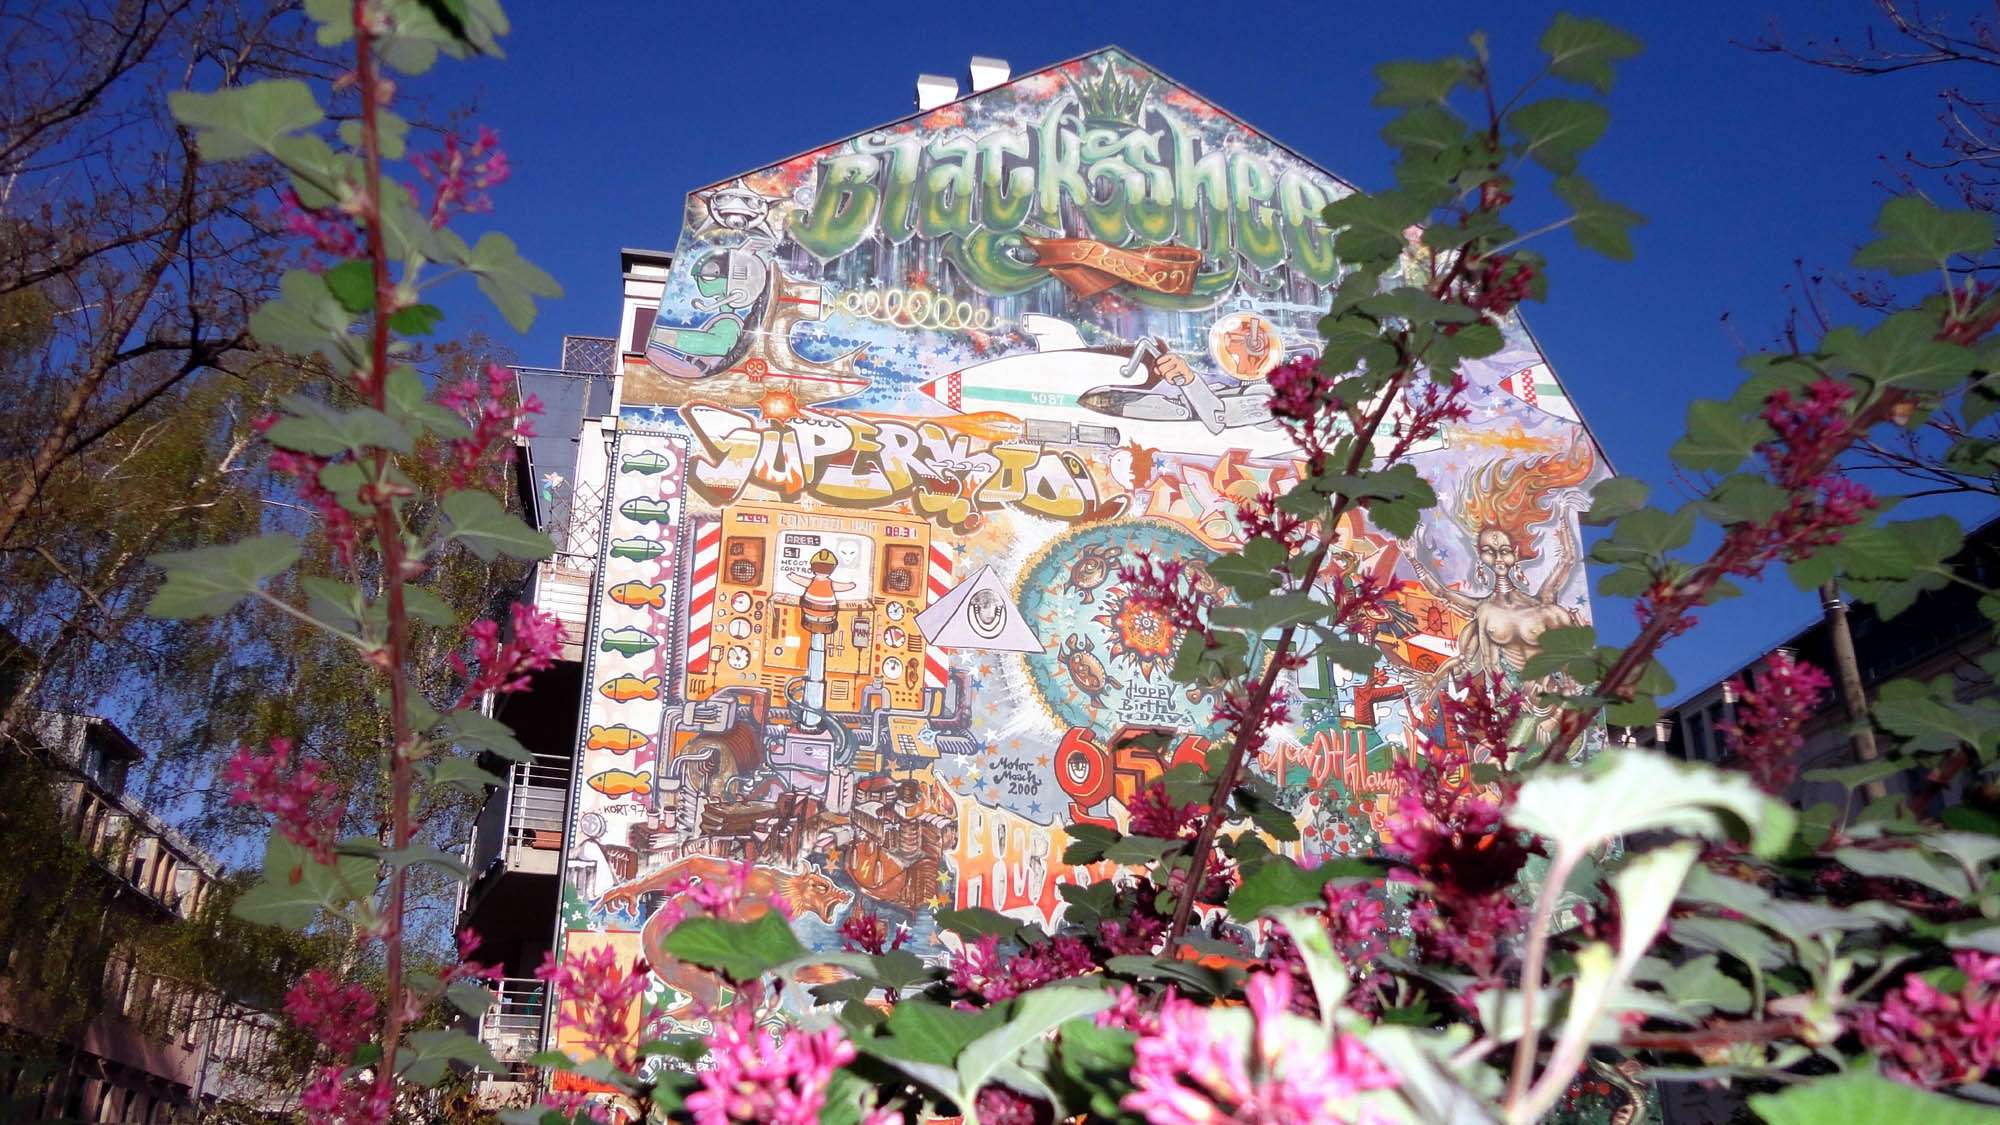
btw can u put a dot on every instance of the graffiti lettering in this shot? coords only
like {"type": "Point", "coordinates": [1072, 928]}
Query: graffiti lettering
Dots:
{"type": "Point", "coordinates": [1090, 774]}
{"type": "Point", "coordinates": [856, 463]}
{"type": "Point", "coordinates": [1146, 182]}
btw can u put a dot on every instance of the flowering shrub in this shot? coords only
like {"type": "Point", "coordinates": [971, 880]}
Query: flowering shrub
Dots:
{"type": "Point", "coordinates": [1530, 919]}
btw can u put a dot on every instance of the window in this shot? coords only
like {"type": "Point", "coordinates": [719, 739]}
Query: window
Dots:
{"type": "Point", "coordinates": [106, 765]}
{"type": "Point", "coordinates": [641, 327]}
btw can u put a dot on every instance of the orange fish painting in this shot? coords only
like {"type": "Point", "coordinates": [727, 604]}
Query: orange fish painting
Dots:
{"type": "Point", "coordinates": [631, 687]}
{"type": "Point", "coordinates": [621, 783]}
{"type": "Point", "coordinates": [640, 594]}
{"type": "Point", "coordinates": [619, 739]}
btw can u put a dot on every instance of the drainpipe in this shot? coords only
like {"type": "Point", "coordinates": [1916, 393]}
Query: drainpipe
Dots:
{"type": "Point", "coordinates": [1848, 672]}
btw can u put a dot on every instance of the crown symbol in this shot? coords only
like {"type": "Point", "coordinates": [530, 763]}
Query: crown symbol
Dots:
{"type": "Point", "coordinates": [1110, 100]}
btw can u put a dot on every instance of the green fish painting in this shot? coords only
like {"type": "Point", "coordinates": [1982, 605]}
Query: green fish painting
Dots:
{"type": "Point", "coordinates": [637, 548]}
{"type": "Point", "coordinates": [649, 462]}
{"type": "Point", "coordinates": [645, 509]}
{"type": "Point", "coordinates": [629, 641]}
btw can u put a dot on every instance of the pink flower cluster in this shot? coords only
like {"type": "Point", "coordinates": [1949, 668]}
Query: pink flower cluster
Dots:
{"type": "Point", "coordinates": [999, 1105]}
{"type": "Point", "coordinates": [978, 971]}
{"type": "Point", "coordinates": [1810, 431]}
{"type": "Point", "coordinates": [1171, 588]}
{"type": "Point", "coordinates": [507, 666]}
{"type": "Point", "coordinates": [1355, 921]}
{"type": "Point", "coordinates": [1499, 282]}
{"type": "Point", "coordinates": [1154, 813]}
{"type": "Point", "coordinates": [863, 931]}
{"type": "Point", "coordinates": [497, 418]}
{"type": "Point", "coordinates": [1187, 1072]}
{"type": "Point", "coordinates": [688, 894]}
{"type": "Point", "coordinates": [1417, 419]}
{"type": "Point", "coordinates": [1455, 846]}
{"type": "Point", "coordinates": [461, 174]}
{"type": "Point", "coordinates": [304, 470]}
{"type": "Point", "coordinates": [1484, 720]}
{"type": "Point", "coordinates": [1929, 1037]}
{"type": "Point", "coordinates": [340, 1017]}
{"type": "Point", "coordinates": [752, 1078]}
{"type": "Point", "coordinates": [330, 232]}
{"type": "Point", "coordinates": [595, 996]}
{"type": "Point", "coordinates": [304, 807]}
{"type": "Point", "coordinates": [334, 1098]}
{"type": "Point", "coordinates": [1771, 712]}
{"type": "Point", "coordinates": [1304, 405]}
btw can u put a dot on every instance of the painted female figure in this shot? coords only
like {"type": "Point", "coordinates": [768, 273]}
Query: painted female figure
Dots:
{"type": "Point", "coordinates": [1500, 507]}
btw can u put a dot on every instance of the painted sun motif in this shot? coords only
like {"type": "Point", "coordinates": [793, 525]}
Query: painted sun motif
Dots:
{"type": "Point", "coordinates": [1141, 636]}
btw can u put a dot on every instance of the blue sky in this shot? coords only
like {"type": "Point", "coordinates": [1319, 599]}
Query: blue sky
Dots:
{"type": "Point", "coordinates": [1743, 163]}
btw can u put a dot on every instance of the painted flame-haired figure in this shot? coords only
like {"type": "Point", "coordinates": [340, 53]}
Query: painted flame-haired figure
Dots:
{"type": "Point", "coordinates": [1500, 506]}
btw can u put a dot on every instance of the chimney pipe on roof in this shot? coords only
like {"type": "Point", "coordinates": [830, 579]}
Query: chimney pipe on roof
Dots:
{"type": "Point", "coordinates": [934, 90]}
{"type": "Point", "coordinates": [988, 72]}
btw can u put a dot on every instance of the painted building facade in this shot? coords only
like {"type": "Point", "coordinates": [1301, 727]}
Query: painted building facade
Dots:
{"type": "Point", "coordinates": [907, 403]}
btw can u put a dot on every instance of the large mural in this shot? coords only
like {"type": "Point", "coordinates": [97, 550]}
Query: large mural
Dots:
{"type": "Point", "coordinates": [910, 402]}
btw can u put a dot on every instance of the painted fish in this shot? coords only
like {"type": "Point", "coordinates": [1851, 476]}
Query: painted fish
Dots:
{"type": "Point", "coordinates": [640, 594]}
{"type": "Point", "coordinates": [649, 462]}
{"type": "Point", "coordinates": [629, 687]}
{"type": "Point", "coordinates": [619, 739]}
{"type": "Point", "coordinates": [645, 509]}
{"type": "Point", "coordinates": [637, 548]}
{"type": "Point", "coordinates": [628, 641]}
{"type": "Point", "coordinates": [620, 783]}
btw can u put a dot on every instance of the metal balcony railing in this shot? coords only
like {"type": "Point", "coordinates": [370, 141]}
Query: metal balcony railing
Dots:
{"type": "Point", "coordinates": [512, 1027]}
{"type": "Point", "coordinates": [536, 794]}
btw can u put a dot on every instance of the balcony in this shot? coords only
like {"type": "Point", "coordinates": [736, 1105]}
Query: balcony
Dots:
{"type": "Point", "coordinates": [522, 823]}
{"type": "Point", "coordinates": [512, 1027]}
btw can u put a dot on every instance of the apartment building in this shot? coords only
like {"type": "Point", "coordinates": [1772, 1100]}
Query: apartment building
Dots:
{"type": "Point", "coordinates": [86, 1032]}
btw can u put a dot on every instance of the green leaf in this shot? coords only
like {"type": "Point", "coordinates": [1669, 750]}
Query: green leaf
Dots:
{"type": "Point", "coordinates": [416, 320]}
{"type": "Point", "coordinates": [1553, 132]}
{"type": "Point", "coordinates": [307, 319]}
{"type": "Point", "coordinates": [323, 431]}
{"type": "Point", "coordinates": [428, 608]}
{"type": "Point", "coordinates": [424, 855]}
{"type": "Point", "coordinates": [1700, 987]}
{"type": "Point", "coordinates": [1719, 437]}
{"type": "Point", "coordinates": [352, 284]}
{"type": "Point", "coordinates": [475, 731]}
{"type": "Point", "coordinates": [1645, 537]}
{"type": "Point", "coordinates": [295, 887]}
{"type": "Point", "coordinates": [488, 530]}
{"type": "Point", "coordinates": [1614, 498]}
{"type": "Point", "coordinates": [463, 774]}
{"type": "Point", "coordinates": [1863, 1095]}
{"type": "Point", "coordinates": [1585, 51]}
{"type": "Point", "coordinates": [1098, 1062]}
{"type": "Point", "coordinates": [1596, 222]}
{"type": "Point", "coordinates": [1275, 612]}
{"type": "Point", "coordinates": [1908, 863]}
{"type": "Point", "coordinates": [1031, 1016]}
{"type": "Point", "coordinates": [469, 997]}
{"type": "Point", "coordinates": [1283, 883]}
{"type": "Point", "coordinates": [922, 1031]}
{"type": "Point", "coordinates": [508, 280]}
{"type": "Point", "coordinates": [242, 121]}
{"type": "Point", "coordinates": [1186, 974]}
{"type": "Point", "coordinates": [976, 922]}
{"type": "Point", "coordinates": [1560, 648]}
{"type": "Point", "coordinates": [1409, 82]}
{"type": "Point", "coordinates": [1622, 792]}
{"type": "Point", "coordinates": [209, 580]}
{"type": "Point", "coordinates": [425, 1055]}
{"type": "Point", "coordinates": [1904, 351]}
{"type": "Point", "coordinates": [1371, 225]}
{"type": "Point", "coordinates": [392, 130]}
{"type": "Point", "coordinates": [739, 950]}
{"type": "Point", "coordinates": [1918, 236]}
{"type": "Point", "coordinates": [410, 405]}
{"type": "Point", "coordinates": [1323, 963]}
{"type": "Point", "coordinates": [1250, 571]}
